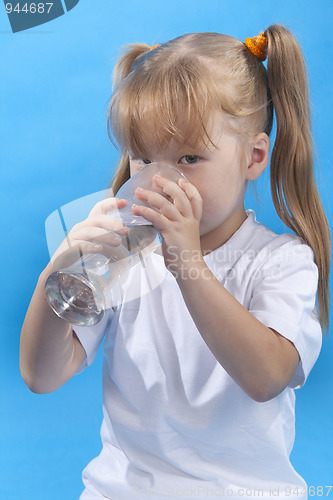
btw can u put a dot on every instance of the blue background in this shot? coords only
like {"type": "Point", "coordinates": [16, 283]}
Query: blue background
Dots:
{"type": "Point", "coordinates": [55, 84]}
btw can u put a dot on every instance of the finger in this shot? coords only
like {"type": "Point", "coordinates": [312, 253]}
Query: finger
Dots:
{"type": "Point", "coordinates": [104, 206]}
{"type": "Point", "coordinates": [193, 196]}
{"type": "Point", "coordinates": [96, 234]}
{"type": "Point", "coordinates": [158, 202]}
{"type": "Point", "coordinates": [175, 192]}
{"type": "Point", "coordinates": [78, 253]}
{"type": "Point", "coordinates": [157, 219]}
{"type": "Point", "coordinates": [107, 222]}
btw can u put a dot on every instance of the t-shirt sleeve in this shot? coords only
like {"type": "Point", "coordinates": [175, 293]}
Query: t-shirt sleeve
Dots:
{"type": "Point", "coordinates": [284, 298]}
{"type": "Point", "coordinates": [91, 337]}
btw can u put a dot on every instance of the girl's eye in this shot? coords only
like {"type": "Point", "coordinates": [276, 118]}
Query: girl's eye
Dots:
{"type": "Point", "coordinates": [188, 159]}
{"type": "Point", "coordinates": [141, 161]}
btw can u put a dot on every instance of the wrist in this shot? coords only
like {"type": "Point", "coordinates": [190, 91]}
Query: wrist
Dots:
{"type": "Point", "coordinates": [190, 271]}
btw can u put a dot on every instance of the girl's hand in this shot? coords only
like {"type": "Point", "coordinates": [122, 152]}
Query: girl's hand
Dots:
{"type": "Point", "coordinates": [176, 218]}
{"type": "Point", "coordinates": [98, 233]}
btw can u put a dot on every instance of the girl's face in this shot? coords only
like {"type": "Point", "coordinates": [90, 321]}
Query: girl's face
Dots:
{"type": "Point", "coordinates": [218, 175]}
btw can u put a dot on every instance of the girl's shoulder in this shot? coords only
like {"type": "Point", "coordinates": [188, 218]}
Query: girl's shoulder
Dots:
{"type": "Point", "coordinates": [255, 245]}
{"type": "Point", "coordinates": [269, 244]}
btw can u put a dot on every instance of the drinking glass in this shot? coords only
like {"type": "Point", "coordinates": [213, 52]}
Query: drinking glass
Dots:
{"type": "Point", "coordinates": [81, 293]}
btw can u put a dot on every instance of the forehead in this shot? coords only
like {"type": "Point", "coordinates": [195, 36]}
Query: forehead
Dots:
{"type": "Point", "coordinates": [217, 132]}
{"type": "Point", "coordinates": [152, 110]}
{"type": "Point", "coordinates": [190, 134]}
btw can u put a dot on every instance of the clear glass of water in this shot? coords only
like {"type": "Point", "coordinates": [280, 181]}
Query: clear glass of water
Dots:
{"type": "Point", "coordinates": [81, 293]}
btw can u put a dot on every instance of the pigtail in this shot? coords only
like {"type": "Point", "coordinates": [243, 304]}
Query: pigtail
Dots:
{"type": "Point", "coordinates": [126, 62]}
{"type": "Point", "coordinates": [122, 69]}
{"type": "Point", "coordinates": [293, 185]}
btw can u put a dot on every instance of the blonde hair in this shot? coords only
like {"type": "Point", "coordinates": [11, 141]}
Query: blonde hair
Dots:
{"type": "Point", "coordinates": [172, 91]}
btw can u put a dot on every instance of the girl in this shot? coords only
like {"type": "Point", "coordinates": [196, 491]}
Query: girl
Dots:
{"type": "Point", "coordinates": [199, 373]}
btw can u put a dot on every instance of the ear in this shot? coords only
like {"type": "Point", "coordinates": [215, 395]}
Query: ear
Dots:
{"type": "Point", "coordinates": [259, 156]}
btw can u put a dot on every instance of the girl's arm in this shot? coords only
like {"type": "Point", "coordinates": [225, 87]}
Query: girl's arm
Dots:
{"type": "Point", "coordinates": [260, 360]}
{"type": "Point", "coordinates": [50, 352]}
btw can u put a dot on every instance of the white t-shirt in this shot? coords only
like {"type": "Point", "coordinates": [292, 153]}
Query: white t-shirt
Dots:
{"type": "Point", "coordinates": [175, 424]}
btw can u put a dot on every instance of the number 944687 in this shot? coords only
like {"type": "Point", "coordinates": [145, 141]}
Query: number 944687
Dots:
{"type": "Point", "coordinates": [31, 8]}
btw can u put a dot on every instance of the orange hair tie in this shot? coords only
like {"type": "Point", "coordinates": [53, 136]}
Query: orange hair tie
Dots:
{"type": "Point", "coordinates": [154, 46]}
{"type": "Point", "coordinates": [258, 45]}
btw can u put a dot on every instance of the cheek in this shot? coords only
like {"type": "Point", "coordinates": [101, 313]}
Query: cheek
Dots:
{"type": "Point", "coordinates": [134, 168]}
{"type": "Point", "coordinates": [220, 195]}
